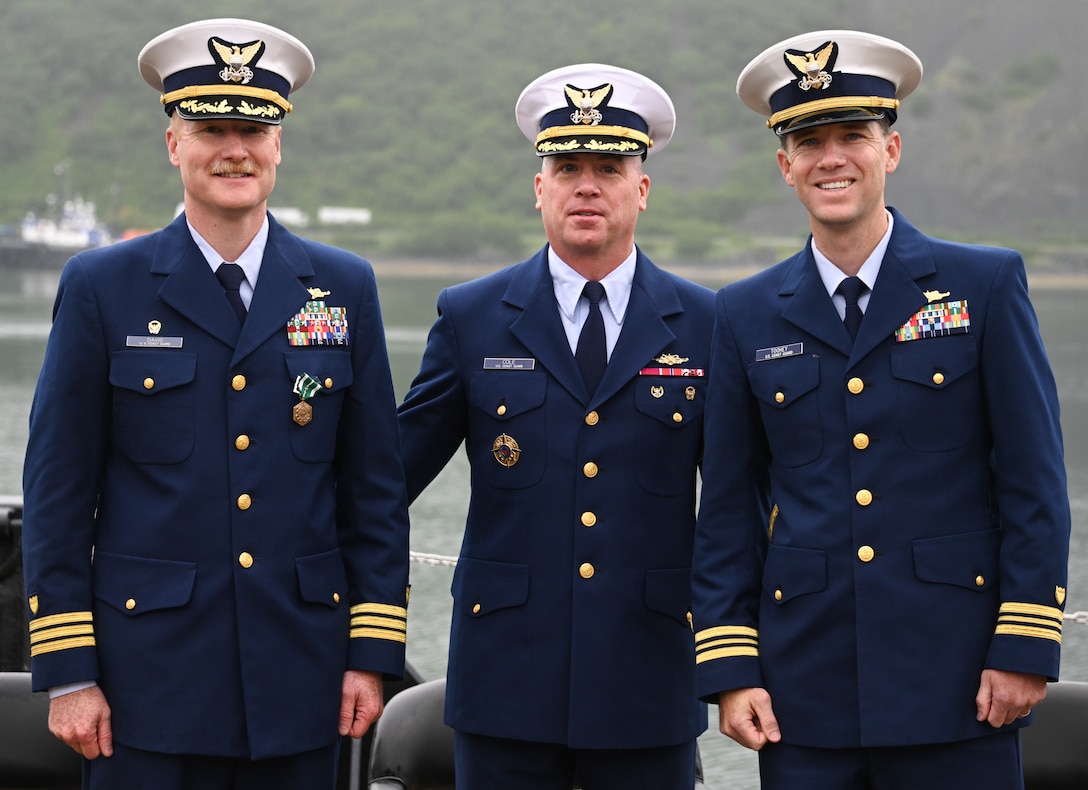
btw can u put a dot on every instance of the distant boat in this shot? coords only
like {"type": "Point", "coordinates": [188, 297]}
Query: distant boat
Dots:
{"type": "Point", "coordinates": [77, 228]}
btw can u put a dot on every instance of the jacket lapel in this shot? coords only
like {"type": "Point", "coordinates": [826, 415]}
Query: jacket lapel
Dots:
{"type": "Point", "coordinates": [897, 295]}
{"type": "Point", "coordinates": [645, 333]}
{"type": "Point", "coordinates": [539, 327]}
{"type": "Point", "coordinates": [810, 308]}
{"type": "Point", "coordinates": [190, 286]}
{"type": "Point", "coordinates": [279, 293]}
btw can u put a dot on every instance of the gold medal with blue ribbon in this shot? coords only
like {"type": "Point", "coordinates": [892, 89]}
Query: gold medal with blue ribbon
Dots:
{"type": "Point", "coordinates": [306, 386]}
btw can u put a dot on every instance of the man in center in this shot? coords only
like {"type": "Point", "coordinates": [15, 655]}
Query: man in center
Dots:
{"type": "Point", "coordinates": [576, 381]}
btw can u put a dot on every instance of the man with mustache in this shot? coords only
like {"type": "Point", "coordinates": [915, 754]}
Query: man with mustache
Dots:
{"type": "Point", "coordinates": [215, 514]}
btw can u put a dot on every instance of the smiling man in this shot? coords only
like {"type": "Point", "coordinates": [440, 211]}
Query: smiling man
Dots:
{"type": "Point", "coordinates": [883, 531]}
{"type": "Point", "coordinates": [576, 381]}
{"type": "Point", "coordinates": [215, 524]}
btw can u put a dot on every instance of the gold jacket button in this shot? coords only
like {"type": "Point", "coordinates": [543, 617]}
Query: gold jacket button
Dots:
{"type": "Point", "coordinates": [864, 497]}
{"type": "Point", "coordinates": [149, 383]}
{"type": "Point", "coordinates": [778, 595]}
{"type": "Point", "coordinates": [980, 580]}
{"type": "Point", "coordinates": [592, 418]}
{"type": "Point", "coordinates": [861, 441]}
{"type": "Point", "coordinates": [476, 608]}
{"type": "Point", "coordinates": [130, 604]}
{"type": "Point", "coordinates": [586, 570]}
{"type": "Point", "coordinates": [866, 553]}
{"type": "Point", "coordinates": [677, 417]}
{"type": "Point", "coordinates": [501, 410]}
{"type": "Point", "coordinates": [938, 378]}
{"type": "Point", "coordinates": [245, 559]}
{"type": "Point", "coordinates": [589, 518]}
{"type": "Point", "coordinates": [855, 385]}
{"type": "Point", "coordinates": [238, 383]}
{"type": "Point", "coordinates": [780, 397]}
{"type": "Point", "coordinates": [691, 621]}
{"type": "Point", "coordinates": [242, 442]}
{"type": "Point", "coordinates": [336, 597]}
{"type": "Point", "coordinates": [328, 384]}
{"type": "Point", "coordinates": [244, 502]}
{"type": "Point", "coordinates": [590, 469]}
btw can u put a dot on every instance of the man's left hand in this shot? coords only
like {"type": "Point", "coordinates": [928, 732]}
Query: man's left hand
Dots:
{"type": "Point", "coordinates": [1005, 696]}
{"type": "Point", "coordinates": [361, 702]}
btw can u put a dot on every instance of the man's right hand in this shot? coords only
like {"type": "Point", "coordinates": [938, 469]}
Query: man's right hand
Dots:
{"type": "Point", "coordinates": [745, 715]}
{"type": "Point", "coordinates": [82, 720]}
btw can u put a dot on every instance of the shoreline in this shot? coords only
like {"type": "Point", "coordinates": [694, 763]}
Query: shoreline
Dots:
{"type": "Point", "coordinates": [721, 273]}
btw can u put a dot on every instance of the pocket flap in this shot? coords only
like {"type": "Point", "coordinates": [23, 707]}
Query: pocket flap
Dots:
{"type": "Point", "coordinates": [668, 591]}
{"type": "Point", "coordinates": [968, 560]}
{"type": "Point", "coordinates": [331, 368]}
{"type": "Point", "coordinates": [135, 585]}
{"type": "Point", "coordinates": [791, 572]}
{"type": "Point", "coordinates": [780, 382]}
{"type": "Point", "coordinates": [322, 578]}
{"type": "Point", "coordinates": [507, 394]}
{"type": "Point", "coordinates": [934, 362]}
{"type": "Point", "coordinates": [148, 372]}
{"type": "Point", "coordinates": [480, 586]}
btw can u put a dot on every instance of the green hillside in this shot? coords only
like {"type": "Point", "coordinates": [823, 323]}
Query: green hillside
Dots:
{"type": "Point", "coordinates": [410, 114]}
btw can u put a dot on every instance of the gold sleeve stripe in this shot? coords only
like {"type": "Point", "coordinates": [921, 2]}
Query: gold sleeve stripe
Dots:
{"type": "Point", "coordinates": [726, 652]}
{"type": "Point", "coordinates": [381, 622]}
{"type": "Point", "coordinates": [60, 632]}
{"type": "Point", "coordinates": [713, 643]}
{"type": "Point", "coordinates": [1023, 630]}
{"type": "Point", "coordinates": [727, 631]}
{"type": "Point", "coordinates": [61, 644]}
{"type": "Point", "coordinates": [1036, 621]}
{"type": "Point", "coordinates": [1031, 609]}
{"type": "Point", "coordinates": [378, 633]}
{"type": "Point", "coordinates": [66, 618]}
{"type": "Point", "coordinates": [380, 608]}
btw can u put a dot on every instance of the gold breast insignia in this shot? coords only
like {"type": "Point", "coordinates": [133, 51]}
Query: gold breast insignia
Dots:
{"type": "Point", "coordinates": [317, 293]}
{"type": "Point", "coordinates": [671, 359]}
{"type": "Point", "coordinates": [936, 296]}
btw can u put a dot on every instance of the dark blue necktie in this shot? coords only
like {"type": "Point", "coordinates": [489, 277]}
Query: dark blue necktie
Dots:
{"type": "Point", "coordinates": [852, 289]}
{"type": "Point", "coordinates": [592, 352]}
{"type": "Point", "coordinates": [230, 276]}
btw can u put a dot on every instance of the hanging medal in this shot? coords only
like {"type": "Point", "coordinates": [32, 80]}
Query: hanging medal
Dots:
{"type": "Point", "coordinates": [306, 386]}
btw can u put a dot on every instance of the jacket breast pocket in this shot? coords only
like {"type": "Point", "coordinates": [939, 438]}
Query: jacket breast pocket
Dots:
{"type": "Point", "coordinates": [788, 402]}
{"type": "Point", "coordinates": [507, 442]}
{"type": "Point", "coordinates": [153, 416]}
{"type": "Point", "coordinates": [938, 389]}
{"type": "Point", "coordinates": [669, 432]}
{"type": "Point", "coordinates": [315, 441]}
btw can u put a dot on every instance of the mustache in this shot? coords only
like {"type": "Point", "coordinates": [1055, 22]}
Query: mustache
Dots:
{"type": "Point", "coordinates": [244, 168]}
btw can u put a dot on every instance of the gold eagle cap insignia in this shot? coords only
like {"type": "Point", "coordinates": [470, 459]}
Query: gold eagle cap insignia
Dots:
{"type": "Point", "coordinates": [585, 102]}
{"type": "Point", "coordinates": [236, 59]}
{"type": "Point", "coordinates": [317, 293]}
{"type": "Point", "coordinates": [671, 359]}
{"type": "Point", "coordinates": [234, 54]}
{"type": "Point", "coordinates": [935, 296]}
{"type": "Point", "coordinates": [1059, 595]}
{"type": "Point", "coordinates": [812, 67]}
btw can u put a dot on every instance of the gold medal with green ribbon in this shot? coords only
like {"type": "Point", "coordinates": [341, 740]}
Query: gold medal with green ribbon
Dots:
{"type": "Point", "coordinates": [306, 386]}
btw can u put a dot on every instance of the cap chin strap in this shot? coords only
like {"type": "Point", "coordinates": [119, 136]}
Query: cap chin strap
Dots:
{"type": "Point", "coordinates": [824, 105]}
